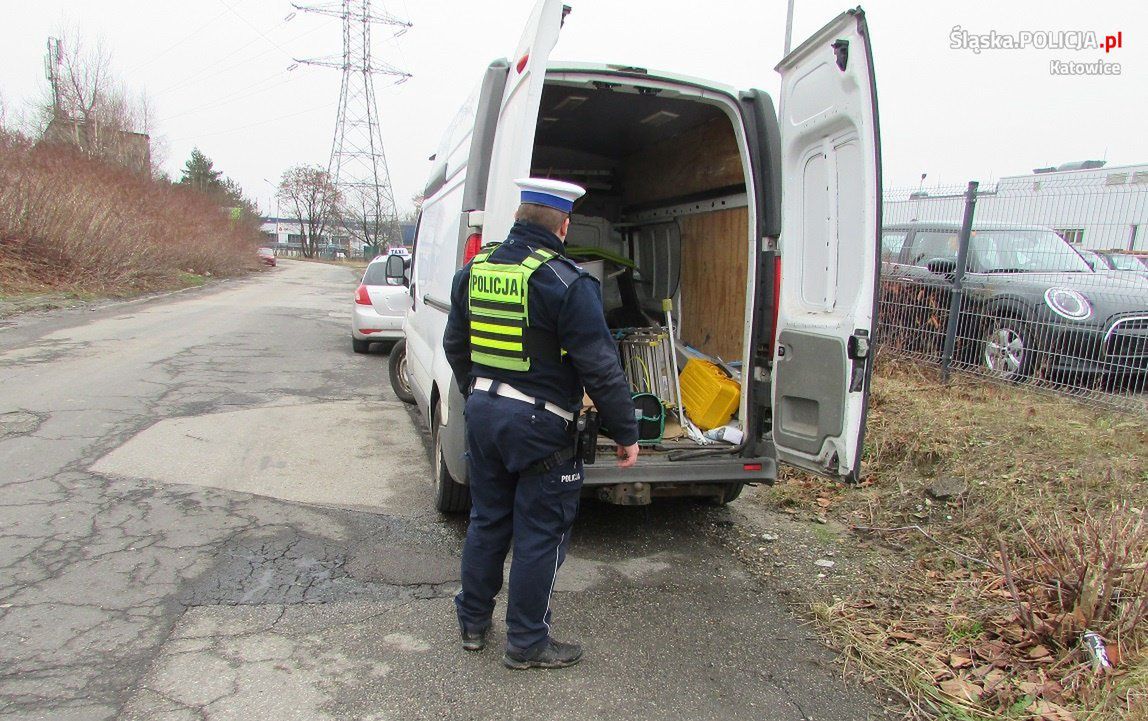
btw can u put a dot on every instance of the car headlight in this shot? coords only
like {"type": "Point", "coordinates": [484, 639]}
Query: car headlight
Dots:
{"type": "Point", "coordinates": [1068, 303]}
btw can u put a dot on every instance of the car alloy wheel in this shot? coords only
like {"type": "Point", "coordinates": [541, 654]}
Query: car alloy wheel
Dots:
{"type": "Point", "coordinates": [1004, 353]}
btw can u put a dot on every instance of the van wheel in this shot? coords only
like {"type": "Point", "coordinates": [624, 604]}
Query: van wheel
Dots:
{"type": "Point", "coordinates": [397, 367]}
{"type": "Point", "coordinates": [730, 493]}
{"type": "Point", "coordinates": [450, 496]}
{"type": "Point", "coordinates": [360, 346]}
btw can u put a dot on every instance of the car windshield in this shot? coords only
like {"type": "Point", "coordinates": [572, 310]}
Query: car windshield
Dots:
{"type": "Point", "coordinates": [1127, 262]}
{"type": "Point", "coordinates": [266, 251]}
{"type": "Point", "coordinates": [1024, 251]}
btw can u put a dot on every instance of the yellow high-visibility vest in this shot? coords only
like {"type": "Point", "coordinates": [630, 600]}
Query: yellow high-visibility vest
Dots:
{"type": "Point", "coordinates": [499, 312]}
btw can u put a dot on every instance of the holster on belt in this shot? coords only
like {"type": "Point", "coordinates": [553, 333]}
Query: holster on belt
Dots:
{"type": "Point", "coordinates": [582, 445]}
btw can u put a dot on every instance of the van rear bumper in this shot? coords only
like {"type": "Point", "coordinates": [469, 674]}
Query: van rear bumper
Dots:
{"type": "Point", "coordinates": [729, 469]}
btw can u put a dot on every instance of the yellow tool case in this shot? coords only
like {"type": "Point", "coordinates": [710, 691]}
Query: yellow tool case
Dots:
{"type": "Point", "coordinates": [710, 397]}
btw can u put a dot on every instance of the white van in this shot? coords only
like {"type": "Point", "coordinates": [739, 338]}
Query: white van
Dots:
{"type": "Point", "coordinates": [764, 234]}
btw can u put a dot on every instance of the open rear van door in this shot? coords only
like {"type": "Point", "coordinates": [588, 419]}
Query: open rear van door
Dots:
{"type": "Point", "coordinates": [514, 138]}
{"type": "Point", "coordinates": [830, 249]}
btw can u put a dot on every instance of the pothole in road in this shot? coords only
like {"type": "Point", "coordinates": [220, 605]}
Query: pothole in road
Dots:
{"type": "Point", "coordinates": [290, 568]}
{"type": "Point", "coordinates": [18, 423]}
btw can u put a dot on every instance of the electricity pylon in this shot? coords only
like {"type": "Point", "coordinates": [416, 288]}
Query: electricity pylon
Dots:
{"type": "Point", "coordinates": [358, 165]}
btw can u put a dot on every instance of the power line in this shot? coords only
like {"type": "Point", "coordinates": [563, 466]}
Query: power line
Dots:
{"type": "Point", "coordinates": [324, 106]}
{"type": "Point", "coordinates": [176, 44]}
{"type": "Point", "coordinates": [199, 75]}
{"type": "Point", "coordinates": [257, 30]}
{"type": "Point", "coordinates": [240, 94]}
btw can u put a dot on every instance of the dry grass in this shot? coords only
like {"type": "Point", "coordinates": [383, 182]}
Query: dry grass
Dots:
{"type": "Point", "coordinates": [1044, 539]}
{"type": "Point", "coordinates": [76, 224]}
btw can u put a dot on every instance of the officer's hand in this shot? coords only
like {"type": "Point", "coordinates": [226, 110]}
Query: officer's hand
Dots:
{"type": "Point", "coordinates": [627, 455]}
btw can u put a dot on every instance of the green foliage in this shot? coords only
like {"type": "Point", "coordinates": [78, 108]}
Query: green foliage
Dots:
{"type": "Point", "coordinates": [199, 172]}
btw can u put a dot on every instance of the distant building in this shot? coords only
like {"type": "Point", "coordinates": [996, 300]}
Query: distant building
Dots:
{"type": "Point", "coordinates": [1088, 204]}
{"type": "Point", "coordinates": [132, 150]}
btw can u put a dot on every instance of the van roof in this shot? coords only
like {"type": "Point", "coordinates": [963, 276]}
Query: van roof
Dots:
{"type": "Point", "coordinates": [637, 73]}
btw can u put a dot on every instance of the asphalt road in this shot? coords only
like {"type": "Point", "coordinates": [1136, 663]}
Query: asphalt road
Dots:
{"type": "Point", "coordinates": [210, 508]}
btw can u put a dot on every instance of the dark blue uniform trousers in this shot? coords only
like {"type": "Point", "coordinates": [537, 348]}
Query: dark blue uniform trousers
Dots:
{"type": "Point", "coordinates": [505, 437]}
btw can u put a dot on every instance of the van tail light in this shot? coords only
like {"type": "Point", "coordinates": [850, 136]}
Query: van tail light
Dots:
{"type": "Point", "coordinates": [473, 245]}
{"type": "Point", "coordinates": [521, 65]}
{"type": "Point", "coordinates": [361, 296]}
{"type": "Point", "coordinates": [751, 467]}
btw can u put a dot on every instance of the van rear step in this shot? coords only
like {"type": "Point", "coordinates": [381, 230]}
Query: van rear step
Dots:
{"type": "Point", "coordinates": [642, 494]}
{"type": "Point", "coordinates": [660, 471]}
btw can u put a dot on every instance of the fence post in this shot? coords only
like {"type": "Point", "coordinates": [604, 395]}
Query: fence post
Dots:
{"type": "Point", "coordinates": [957, 297]}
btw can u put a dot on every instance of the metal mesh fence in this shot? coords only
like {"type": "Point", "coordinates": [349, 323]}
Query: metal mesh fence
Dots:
{"type": "Point", "coordinates": [1038, 280]}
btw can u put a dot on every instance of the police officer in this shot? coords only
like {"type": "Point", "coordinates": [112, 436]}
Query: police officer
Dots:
{"type": "Point", "coordinates": [525, 333]}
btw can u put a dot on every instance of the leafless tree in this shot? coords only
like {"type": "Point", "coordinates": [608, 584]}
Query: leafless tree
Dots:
{"type": "Point", "coordinates": [360, 214]}
{"type": "Point", "coordinates": [91, 109]}
{"type": "Point", "coordinates": [160, 149]}
{"type": "Point", "coordinates": [308, 190]}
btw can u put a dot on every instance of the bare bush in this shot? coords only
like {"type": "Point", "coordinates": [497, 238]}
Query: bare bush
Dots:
{"type": "Point", "coordinates": [1074, 577]}
{"type": "Point", "coordinates": [75, 222]}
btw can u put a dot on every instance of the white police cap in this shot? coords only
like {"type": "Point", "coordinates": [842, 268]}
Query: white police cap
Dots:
{"type": "Point", "coordinates": [556, 194]}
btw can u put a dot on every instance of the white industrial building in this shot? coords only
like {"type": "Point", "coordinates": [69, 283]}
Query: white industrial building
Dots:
{"type": "Point", "coordinates": [1096, 207]}
{"type": "Point", "coordinates": [280, 231]}
{"type": "Point", "coordinates": [286, 236]}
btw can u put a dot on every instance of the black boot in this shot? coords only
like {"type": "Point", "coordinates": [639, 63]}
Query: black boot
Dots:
{"type": "Point", "coordinates": [553, 654]}
{"type": "Point", "coordinates": [474, 641]}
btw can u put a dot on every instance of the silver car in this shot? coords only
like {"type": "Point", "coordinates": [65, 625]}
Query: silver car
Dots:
{"type": "Point", "coordinates": [379, 309]}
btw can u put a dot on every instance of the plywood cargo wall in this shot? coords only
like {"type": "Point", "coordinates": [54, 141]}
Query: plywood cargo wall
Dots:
{"type": "Point", "coordinates": [700, 159]}
{"type": "Point", "coordinates": [715, 266]}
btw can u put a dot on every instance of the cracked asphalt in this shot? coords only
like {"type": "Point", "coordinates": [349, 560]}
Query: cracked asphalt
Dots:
{"type": "Point", "coordinates": [210, 508]}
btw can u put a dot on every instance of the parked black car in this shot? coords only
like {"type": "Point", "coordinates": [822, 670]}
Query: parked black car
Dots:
{"type": "Point", "coordinates": [1126, 262]}
{"type": "Point", "coordinates": [1032, 304]}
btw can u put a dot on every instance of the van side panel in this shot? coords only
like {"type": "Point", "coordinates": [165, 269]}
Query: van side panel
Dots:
{"type": "Point", "coordinates": [436, 250]}
{"type": "Point", "coordinates": [455, 186]}
{"type": "Point", "coordinates": [453, 432]}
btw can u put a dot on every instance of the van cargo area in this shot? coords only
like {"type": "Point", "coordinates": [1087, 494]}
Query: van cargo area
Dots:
{"type": "Point", "coordinates": [665, 217]}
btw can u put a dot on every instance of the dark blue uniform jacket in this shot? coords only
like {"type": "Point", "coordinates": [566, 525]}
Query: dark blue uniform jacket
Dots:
{"type": "Point", "coordinates": [565, 301]}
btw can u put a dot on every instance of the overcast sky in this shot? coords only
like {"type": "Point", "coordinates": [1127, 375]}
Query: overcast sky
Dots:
{"type": "Point", "coordinates": [217, 72]}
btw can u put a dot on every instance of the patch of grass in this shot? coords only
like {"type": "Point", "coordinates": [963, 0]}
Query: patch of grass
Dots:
{"type": "Point", "coordinates": [962, 630]}
{"type": "Point", "coordinates": [191, 280]}
{"type": "Point", "coordinates": [824, 533]}
{"type": "Point", "coordinates": [981, 613]}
